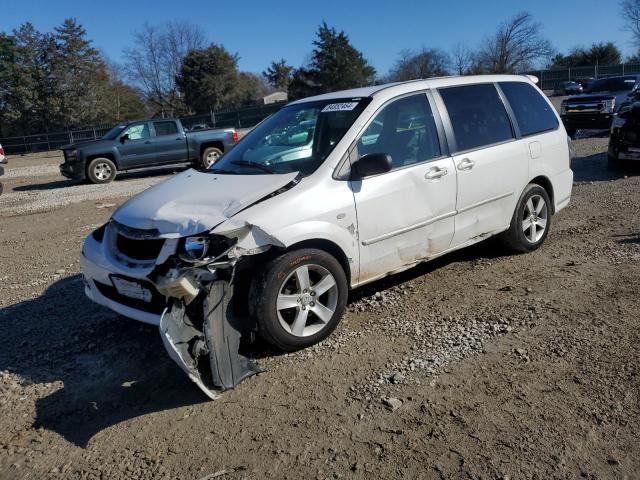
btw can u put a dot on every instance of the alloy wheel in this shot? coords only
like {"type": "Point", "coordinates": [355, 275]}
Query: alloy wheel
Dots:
{"type": "Point", "coordinates": [102, 171]}
{"type": "Point", "coordinates": [307, 300]}
{"type": "Point", "coordinates": [211, 158]}
{"type": "Point", "coordinates": [535, 218]}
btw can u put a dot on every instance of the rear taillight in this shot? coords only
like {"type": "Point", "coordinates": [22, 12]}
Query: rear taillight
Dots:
{"type": "Point", "coordinates": [1, 150]}
{"type": "Point", "coordinates": [234, 136]}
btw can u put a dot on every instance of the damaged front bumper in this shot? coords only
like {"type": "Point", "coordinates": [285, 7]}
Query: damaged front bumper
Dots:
{"type": "Point", "coordinates": [204, 340]}
{"type": "Point", "coordinates": [192, 302]}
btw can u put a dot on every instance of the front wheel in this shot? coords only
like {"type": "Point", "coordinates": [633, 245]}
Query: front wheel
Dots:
{"type": "Point", "coordinates": [530, 222]}
{"type": "Point", "coordinates": [210, 156]}
{"type": "Point", "coordinates": [299, 298]}
{"type": "Point", "coordinates": [101, 170]}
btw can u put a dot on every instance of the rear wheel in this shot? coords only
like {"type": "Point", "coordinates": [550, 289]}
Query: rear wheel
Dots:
{"type": "Point", "coordinates": [101, 170]}
{"type": "Point", "coordinates": [530, 222]}
{"type": "Point", "coordinates": [210, 156]}
{"type": "Point", "coordinates": [299, 298]}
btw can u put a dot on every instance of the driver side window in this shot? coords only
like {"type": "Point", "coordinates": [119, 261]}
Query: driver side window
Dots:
{"type": "Point", "coordinates": [137, 132]}
{"type": "Point", "coordinates": [404, 129]}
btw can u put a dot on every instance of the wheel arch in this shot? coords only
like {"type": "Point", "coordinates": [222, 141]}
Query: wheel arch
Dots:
{"type": "Point", "coordinates": [327, 246]}
{"type": "Point", "coordinates": [214, 143]}
{"type": "Point", "coordinates": [92, 156]}
{"type": "Point", "coordinates": [545, 183]}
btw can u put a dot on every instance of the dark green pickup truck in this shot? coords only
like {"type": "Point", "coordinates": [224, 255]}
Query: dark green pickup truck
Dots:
{"type": "Point", "coordinates": [142, 144]}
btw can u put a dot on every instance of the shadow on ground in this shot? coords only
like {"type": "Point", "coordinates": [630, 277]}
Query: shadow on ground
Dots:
{"type": "Point", "coordinates": [112, 369]}
{"type": "Point", "coordinates": [124, 176]}
{"type": "Point", "coordinates": [630, 239]}
{"type": "Point", "coordinates": [595, 168]}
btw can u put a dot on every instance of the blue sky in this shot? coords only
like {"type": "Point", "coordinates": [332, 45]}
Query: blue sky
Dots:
{"type": "Point", "coordinates": [261, 31]}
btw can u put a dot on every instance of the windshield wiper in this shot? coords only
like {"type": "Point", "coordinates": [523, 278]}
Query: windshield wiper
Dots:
{"type": "Point", "coordinates": [259, 166]}
{"type": "Point", "coordinates": [221, 171]}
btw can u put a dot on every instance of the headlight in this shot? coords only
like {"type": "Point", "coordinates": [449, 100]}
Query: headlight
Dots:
{"type": "Point", "coordinates": [205, 246]}
{"type": "Point", "coordinates": [72, 153]}
{"type": "Point", "coordinates": [609, 105]}
{"type": "Point", "coordinates": [563, 108]}
{"type": "Point", "coordinates": [196, 247]}
{"type": "Point", "coordinates": [98, 233]}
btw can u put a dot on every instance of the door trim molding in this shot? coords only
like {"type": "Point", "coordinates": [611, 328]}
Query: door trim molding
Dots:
{"type": "Point", "coordinates": [484, 202]}
{"type": "Point", "coordinates": [400, 231]}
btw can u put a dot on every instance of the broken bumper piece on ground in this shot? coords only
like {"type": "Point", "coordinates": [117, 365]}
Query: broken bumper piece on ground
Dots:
{"type": "Point", "coordinates": [203, 337]}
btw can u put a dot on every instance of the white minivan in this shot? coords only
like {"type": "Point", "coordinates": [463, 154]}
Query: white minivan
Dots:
{"type": "Point", "coordinates": [336, 191]}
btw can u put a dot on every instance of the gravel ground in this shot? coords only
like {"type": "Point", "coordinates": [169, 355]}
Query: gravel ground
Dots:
{"type": "Point", "coordinates": [476, 365]}
{"type": "Point", "coordinates": [30, 186]}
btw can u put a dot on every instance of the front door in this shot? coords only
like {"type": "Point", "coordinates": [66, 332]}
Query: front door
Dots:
{"type": "Point", "coordinates": [404, 215]}
{"type": "Point", "coordinates": [492, 166]}
{"type": "Point", "coordinates": [135, 145]}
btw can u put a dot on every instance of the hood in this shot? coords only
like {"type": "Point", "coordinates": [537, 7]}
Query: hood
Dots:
{"type": "Point", "coordinates": [193, 202]}
{"type": "Point", "coordinates": [92, 143]}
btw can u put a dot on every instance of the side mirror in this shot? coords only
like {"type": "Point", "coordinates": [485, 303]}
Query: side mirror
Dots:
{"type": "Point", "coordinates": [124, 138]}
{"type": "Point", "coordinates": [371, 164]}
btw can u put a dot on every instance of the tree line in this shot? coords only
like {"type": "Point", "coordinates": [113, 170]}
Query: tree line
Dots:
{"type": "Point", "coordinates": [58, 79]}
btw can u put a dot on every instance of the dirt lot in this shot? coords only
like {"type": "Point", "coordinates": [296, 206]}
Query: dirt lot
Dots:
{"type": "Point", "coordinates": [478, 365]}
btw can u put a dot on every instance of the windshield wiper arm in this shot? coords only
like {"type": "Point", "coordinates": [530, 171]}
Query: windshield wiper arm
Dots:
{"type": "Point", "coordinates": [245, 163]}
{"type": "Point", "coordinates": [221, 171]}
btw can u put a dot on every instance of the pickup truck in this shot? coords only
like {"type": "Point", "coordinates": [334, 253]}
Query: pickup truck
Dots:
{"type": "Point", "coordinates": [141, 144]}
{"type": "Point", "coordinates": [596, 108]}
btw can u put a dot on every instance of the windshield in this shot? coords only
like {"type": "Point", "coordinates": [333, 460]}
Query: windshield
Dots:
{"type": "Point", "coordinates": [114, 132]}
{"type": "Point", "coordinates": [618, 84]}
{"type": "Point", "coordinates": [298, 138]}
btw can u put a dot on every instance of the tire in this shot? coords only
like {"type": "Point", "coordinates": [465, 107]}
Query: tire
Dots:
{"type": "Point", "coordinates": [101, 170]}
{"type": "Point", "coordinates": [528, 231]}
{"type": "Point", "coordinates": [290, 316]}
{"type": "Point", "coordinates": [210, 156]}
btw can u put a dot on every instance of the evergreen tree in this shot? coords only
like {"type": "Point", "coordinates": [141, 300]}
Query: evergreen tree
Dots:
{"type": "Point", "coordinates": [209, 79]}
{"type": "Point", "coordinates": [336, 64]}
{"type": "Point", "coordinates": [79, 74]}
{"type": "Point", "coordinates": [279, 75]}
{"type": "Point", "coordinates": [604, 53]}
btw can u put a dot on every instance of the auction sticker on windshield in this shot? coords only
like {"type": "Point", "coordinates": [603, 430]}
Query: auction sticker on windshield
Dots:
{"type": "Point", "coordinates": [340, 107]}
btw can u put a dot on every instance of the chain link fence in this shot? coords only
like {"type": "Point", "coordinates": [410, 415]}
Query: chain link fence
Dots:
{"type": "Point", "coordinates": [45, 142]}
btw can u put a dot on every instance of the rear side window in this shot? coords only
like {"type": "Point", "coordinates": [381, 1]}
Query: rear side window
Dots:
{"type": "Point", "coordinates": [165, 128]}
{"type": "Point", "coordinates": [532, 112]}
{"type": "Point", "coordinates": [477, 115]}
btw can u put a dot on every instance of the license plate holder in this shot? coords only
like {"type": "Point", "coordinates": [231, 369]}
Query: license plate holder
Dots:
{"type": "Point", "coordinates": [131, 288]}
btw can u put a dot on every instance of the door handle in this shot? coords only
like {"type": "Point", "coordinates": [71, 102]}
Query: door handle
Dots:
{"type": "Point", "coordinates": [466, 164]}
{"type": "Point", "coordinates": [435, 173]}
{"type": "Point", "coordinates": [147, 142]}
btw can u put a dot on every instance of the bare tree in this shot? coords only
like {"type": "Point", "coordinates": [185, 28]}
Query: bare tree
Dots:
{"type": "Point", "coordinates": [630, 10]}
{"type": "Point", "coordinates": [461, 59]}
{"type": "Point", "coordinates": [425, 63]}
{"type": "Point", "coordinates": [516, 46]}
{"type": "Point", "coordinates": [156, 60]}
